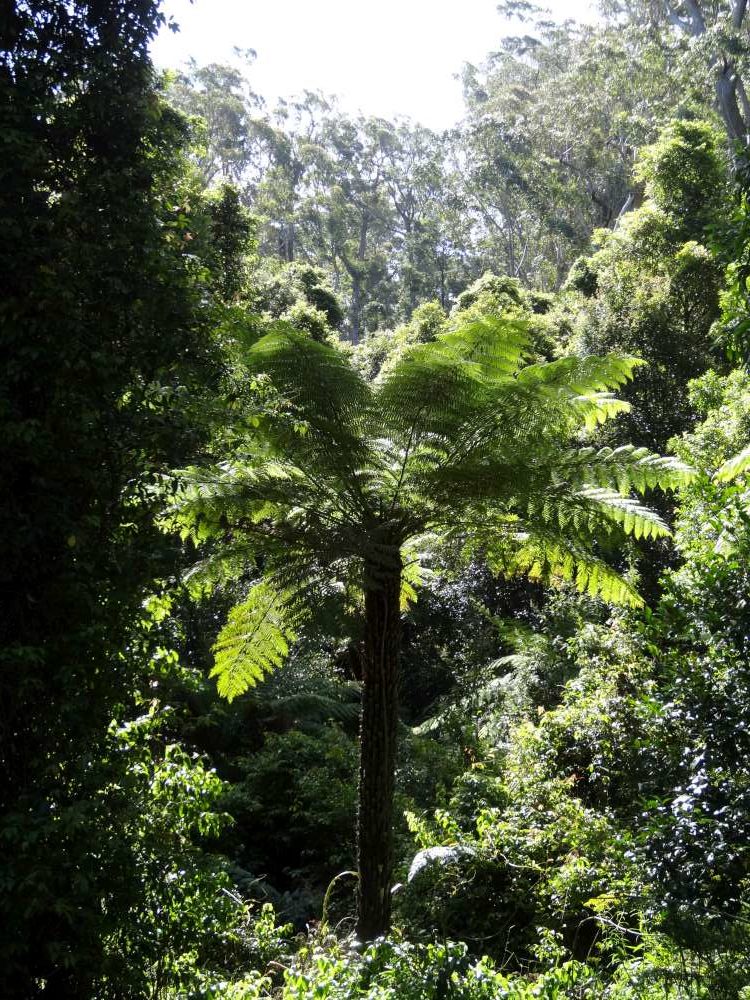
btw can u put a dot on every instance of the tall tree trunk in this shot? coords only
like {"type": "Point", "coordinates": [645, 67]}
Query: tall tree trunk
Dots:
{"type": "Point", "coordinates": [356, 310]}
{"type": "Point", "coordinates": [727, 99]}
{"type": "Point", "coordinates": [378, 751]}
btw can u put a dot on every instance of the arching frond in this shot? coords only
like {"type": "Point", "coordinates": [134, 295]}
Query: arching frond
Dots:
{"type": "Point", "coordinates": [631, 516]}
{"type": "Point", "coordinates": [429, 392]}
{"type": "Point", "coordinates": [597, 407]}
{"type": "Point", "coordinates": [208, 497]}
{"type": "Point", "coordinates": [435, 389]}
{"type": "Point", "coordinates": [495, 344]}
{"type": "Point", "coordinates": [626, 468]}
{"type": "Point", "coordinates": [583, 376]}
{"type": "Point", "coordinates": [332, 402]}
{"type": "Point", "coordinates": [545, 556]}
{"type": "Point", "coordinates": [590, 512]}
{"type": "Point", "coordinates": [267, 499]}
{"type": "Point", "coordinates": [255, 639]}
{"type": "Point", "coordinates": [225, 564]}
{"type": "Point", "coordinates": [315, 706]}
{"type": "Point", "coordinates": [414, 573]}
{"type": "Point", "coordinates": [476, 478]}
{"type": "Point", "coordinates": [735, 466]}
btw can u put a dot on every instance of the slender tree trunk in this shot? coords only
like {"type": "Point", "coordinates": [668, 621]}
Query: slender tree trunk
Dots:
{"type": "Point", "coordinates": [378, 752]}
{"type": "Point", "coordinates": [356, 310]}
{"type": "Point", "coordinates": [511, 254]}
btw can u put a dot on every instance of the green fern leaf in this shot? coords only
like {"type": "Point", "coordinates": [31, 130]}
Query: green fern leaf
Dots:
{"type": "Point", "coordinates": [735, 466]}
{"type": "Point", "coordinates": [254, 641]}
{"type": "Point", "coordinates": [494, 344]}
{"type": "Point", "coordinates": [634, 518]}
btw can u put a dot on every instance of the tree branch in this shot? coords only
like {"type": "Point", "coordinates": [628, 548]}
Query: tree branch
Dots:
{"type": "Point", "coordinates": [697, 21]}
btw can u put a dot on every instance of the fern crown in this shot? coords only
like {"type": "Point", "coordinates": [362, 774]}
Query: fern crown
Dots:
{"type": "Point", "coordinates": [461, 440]}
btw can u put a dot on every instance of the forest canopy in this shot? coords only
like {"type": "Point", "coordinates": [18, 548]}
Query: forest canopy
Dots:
{"type": "Point", "coordinates": [375, 519]}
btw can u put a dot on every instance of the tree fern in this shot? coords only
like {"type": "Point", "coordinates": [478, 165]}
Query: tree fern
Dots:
{"type": "Point", "coordinates": [338, 488]}
{"type": "Point", "coordinates": [458, 432]}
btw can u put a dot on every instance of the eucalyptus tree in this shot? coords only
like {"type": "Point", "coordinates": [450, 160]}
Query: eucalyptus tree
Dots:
{"type": "Point", "coordinates": [713, 37]}
{"type": "Point", "coordinates": [370, 200]}
{"type": "Point", "coordinates": [345, 487]}
{"type": "Point", "coordinates": [423, 194]}
{"type": "Point", "coordinates": [291, 137]}
{"type": "Point", "coordinates": [231, 112]}
{"type": "Point", "coordinates": [348, 202]}
{"type": "Point", "coordinates": [554, 119]}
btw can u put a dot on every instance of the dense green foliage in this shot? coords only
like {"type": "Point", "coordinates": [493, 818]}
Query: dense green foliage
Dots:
{"type": "Point", "coordinates": [107, 350]}
{"type": "Point", "coordinates": [432, 450]}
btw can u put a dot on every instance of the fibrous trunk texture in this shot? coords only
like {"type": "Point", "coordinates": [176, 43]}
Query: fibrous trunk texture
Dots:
{"type": "Point", "coordinates": [377, 754]}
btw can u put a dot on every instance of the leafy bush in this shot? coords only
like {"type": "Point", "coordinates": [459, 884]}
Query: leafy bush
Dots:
{"type": "Point", "coordinates": [397, 970]}
{"type": "Point", "coordinates": [294, 804]}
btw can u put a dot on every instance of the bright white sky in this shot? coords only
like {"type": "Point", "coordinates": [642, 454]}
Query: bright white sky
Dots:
{"type": "Point", "coordinates": [382, 57]}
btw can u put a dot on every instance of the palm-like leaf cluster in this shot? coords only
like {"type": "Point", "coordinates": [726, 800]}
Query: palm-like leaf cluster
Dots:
{"type": "Point", "coordinates": [734, 467]}
{"type": "Point", "coordinates": [460, 439]}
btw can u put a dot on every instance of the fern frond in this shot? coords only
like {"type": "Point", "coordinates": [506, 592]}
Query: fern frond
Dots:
{"type": "Point", "coordinates": [330, 399]}
{"type": "Point", "coordinates": [439, 387]}
{"type": "Point", "coordinates": [626, 468]}
{"type": "Point", "coordinates": [316, 376]}
{"type": "Point", "coordinates": [428, 392]}
{"type": "Point", "coordinates": [545, 557]}
{"type": "Point", "coordinates": [256, 495]}
{"type": "Point", "coordinates": [735, 466]}
{"type": "Point", "coordinates": [496, 345]}
{"type": "Point", "coordinates": [211, 495]}
{"type": "Point", "coordinates": [631, 516]}
{"type": "Point", "coordinates": [474, 479]}
{"type": "Point", "coordinates": [255, 639]}
{"type": "Point", "coordinates": [515, 634]}
{"type": "Point", "coordinates": [312, 706]}
{"type": "Point", "coordinates": [583, 376]}
{"type": "Point", "coordinates": [226, 564]}
{"type": "Point", "coordinates": [596, 408]}
{"type": "Point", "coordinates": [414, 574]}
{"type": "Point", "coordinates": [512, 546]}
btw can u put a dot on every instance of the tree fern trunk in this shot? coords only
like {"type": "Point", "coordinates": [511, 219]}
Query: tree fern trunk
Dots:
{"type": "Point", "coordinates": [378, 753]}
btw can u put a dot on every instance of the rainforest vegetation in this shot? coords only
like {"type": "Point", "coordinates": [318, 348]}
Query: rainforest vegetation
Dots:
{"type": "Point", "coordinates": [375, 518]}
